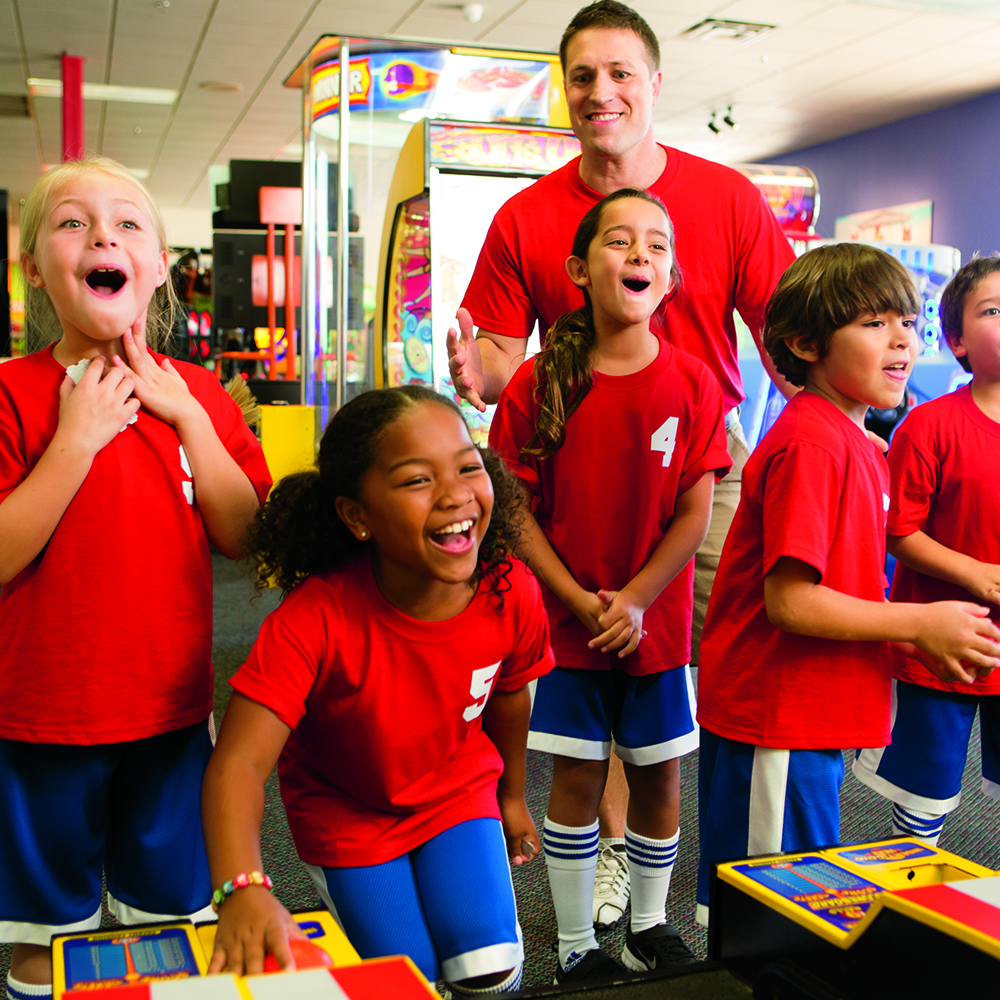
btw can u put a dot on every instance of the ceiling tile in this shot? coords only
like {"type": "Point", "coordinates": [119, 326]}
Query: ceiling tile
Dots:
{"type": "Point", "coordinates": [779, 12]}
{"type": "Point", "coordinates": [833, 67]}
{"type": "Point", "coordinates": [940, 28]}
{"type": "Point", "coordinates": [861, 17]}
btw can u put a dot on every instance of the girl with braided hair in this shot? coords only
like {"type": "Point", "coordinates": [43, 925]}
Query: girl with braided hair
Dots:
{"type": "Point", "coordinates": [618, 437]}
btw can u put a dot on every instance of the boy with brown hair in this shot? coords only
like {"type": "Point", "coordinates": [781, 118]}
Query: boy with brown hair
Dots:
{"type": "Point", "coordinates": [795, 654]}
{"type": "Point", "coordinates": [943, 516]}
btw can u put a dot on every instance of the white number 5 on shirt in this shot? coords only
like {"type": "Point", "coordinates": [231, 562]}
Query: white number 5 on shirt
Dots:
{"type": "Point", "coordinates": [482, 684]}
{"type": "Point", "coordinates": [664, 438]}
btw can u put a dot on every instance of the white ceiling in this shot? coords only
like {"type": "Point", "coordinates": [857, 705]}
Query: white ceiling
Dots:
{"type": "Point", "coordinates": [830, 69]}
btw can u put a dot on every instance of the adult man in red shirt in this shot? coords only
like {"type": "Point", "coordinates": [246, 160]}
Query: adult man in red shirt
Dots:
{"type": "Point", "coordinates": [730, 249]}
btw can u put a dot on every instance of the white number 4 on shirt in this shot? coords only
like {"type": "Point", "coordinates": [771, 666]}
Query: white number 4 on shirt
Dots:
{"type": "Point", "coordinates": [664, 438]}
{"type": "Point", "coordinates": [482, 684]}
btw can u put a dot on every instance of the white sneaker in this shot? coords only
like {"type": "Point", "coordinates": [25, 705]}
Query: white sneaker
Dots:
{"type": "Point", "coordinates": [611, 886]}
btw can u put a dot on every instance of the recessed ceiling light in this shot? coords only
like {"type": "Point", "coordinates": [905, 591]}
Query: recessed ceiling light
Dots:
{"type": "Point", "coordinates": [105, 92]}
{"type": "Point", "coordinates": [715, 30]}
{"type": "Point", "coordinates": [218, 87]}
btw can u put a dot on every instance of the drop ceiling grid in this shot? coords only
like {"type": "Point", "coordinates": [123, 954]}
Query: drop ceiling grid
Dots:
{"type": "Point", "coordinates": [832, 67]}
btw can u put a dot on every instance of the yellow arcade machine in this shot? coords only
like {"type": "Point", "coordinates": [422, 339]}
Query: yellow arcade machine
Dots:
{"type": "Point", "coordinates": [450, 180]}
{"type": "Point", "coordinates": [169, 961]}
{"type": "Point", "coordinates": [892, 918]}
{"type": "Point", "coordinates": [510, 105]}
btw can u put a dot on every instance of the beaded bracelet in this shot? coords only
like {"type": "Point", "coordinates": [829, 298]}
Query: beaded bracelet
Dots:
{"type": "Point", "coordinates": [240, 881]}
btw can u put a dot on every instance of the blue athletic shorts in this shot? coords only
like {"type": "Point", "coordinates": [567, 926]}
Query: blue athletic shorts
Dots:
{"type": "Point", "coordinates": [755, 800]}
{"type": "Point", "coordinates": [922, 767]}
{"type": "Point", "coordinates": [577, 712]}
{"type": "Point", "coordinates": [130, 809]}
{"type": "Point", "coordinates": [448, 904]}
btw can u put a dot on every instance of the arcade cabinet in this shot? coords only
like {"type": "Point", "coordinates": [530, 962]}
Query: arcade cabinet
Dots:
{"type": "Point", "coordinates": [891, 918]}
{"type": "Point", "coordinates": [450, 180]}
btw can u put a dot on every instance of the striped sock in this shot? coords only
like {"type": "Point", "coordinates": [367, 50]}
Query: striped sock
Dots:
{"type": "Point", "coordinates": [924, 826]}
{"type": "Point", "coordinates": [17, 990]}
{"type": "Point", "coordinates": [571, 860]}
{"type": "Point", "coordinates": [510, 985]}
{"type": "Point", "coordinates": [650, 863]}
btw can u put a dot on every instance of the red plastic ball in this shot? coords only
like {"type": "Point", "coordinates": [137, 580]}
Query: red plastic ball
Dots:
{"type": "Point", "coordinates": [306, 955]}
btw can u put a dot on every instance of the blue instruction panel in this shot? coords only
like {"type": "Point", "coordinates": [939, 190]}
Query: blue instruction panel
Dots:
{"type": "Point", "coordinates": [128, 958]}
{"type": "Point", "coordinates": [832, 894]}
{"type": "Point", "coordinates": [880, 854]}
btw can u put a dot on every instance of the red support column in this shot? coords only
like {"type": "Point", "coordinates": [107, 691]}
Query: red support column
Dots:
{"type": "Point", "coordinates": [290, 288]}
{"type": "Point", "coordinates": [272, 323]}
{"type": "Point", "coordinates": [72, 107]}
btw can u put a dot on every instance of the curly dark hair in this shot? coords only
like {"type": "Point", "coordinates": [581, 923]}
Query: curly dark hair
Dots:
{"type": "Point", "coordinates": [298, 532]}
{"type": "Point", "coordinates": [563, 375]}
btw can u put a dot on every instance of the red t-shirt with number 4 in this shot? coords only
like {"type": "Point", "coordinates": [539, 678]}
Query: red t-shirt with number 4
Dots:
{"type": "Point", "coordinates": [606, 498]}
{"type": "Point", "coordinates": [387, 748]}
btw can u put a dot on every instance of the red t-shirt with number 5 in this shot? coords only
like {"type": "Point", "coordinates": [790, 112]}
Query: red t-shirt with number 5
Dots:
{"type": "Point", "coordinates": [606, 498]}
{"type": "Point", "coordinates": [387, 748]}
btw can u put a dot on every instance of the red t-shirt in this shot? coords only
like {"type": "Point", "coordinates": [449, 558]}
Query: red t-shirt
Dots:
{"type": "Point", "coordinates": [945, 484]}
{"type": "Point", "coordinates": [729, 245]}
{"type": "Point", "coordinates": [606, 498]}
{"type": "Point", "coordinates": [815, 489]}
{"type": "Point", "coordinates": [107, 634]}
{"type": "Point", "coordinates": [387, 746]}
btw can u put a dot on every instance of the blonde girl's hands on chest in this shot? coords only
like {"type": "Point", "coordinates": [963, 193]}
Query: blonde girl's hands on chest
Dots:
{"type": "Point", "coordinates": [94, 410]}
{"type": "Point", "coordinates": [225, 496]}
{"type": "Point", "coordinates": [92, 413]}
{"type": "Point", "coordinates": [158, 387]}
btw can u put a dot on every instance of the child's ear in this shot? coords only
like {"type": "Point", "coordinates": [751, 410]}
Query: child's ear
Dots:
{"type": "Point", "coordinates": [162, 270]}
{"type": "Point", "coordinates": [352, 513]}
{"type": "Point", "coordinates": [576, 268]}
{"type": "Point", "coordinates": [31, 273]}
{"type": "Point", "coordinates": [803, 346]}
{"type": "Point", "coordinates": [955, 343]}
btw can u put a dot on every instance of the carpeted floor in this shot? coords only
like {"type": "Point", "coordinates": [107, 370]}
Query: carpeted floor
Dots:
{"type": "Point", "coordinates": [972, 831]}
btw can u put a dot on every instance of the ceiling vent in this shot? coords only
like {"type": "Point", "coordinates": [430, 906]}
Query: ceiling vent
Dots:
{"type": "Point", "coordinates": [12, 106]}
{"type": "Point", "coordinates": [727, 32]}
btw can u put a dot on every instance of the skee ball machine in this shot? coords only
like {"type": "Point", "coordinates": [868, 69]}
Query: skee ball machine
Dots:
{"type": "Point", "coordinates": [891, 918]}
{"type": "Point", "coordinates": [373, 167]}
{"type": "Point", "coordinates": [451, 179]}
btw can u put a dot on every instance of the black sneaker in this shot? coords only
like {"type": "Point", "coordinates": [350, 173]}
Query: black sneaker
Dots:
{"type": "Point", "coordinates": [595, 964]}
{"type": "Point", "coordinates": [655, 948]}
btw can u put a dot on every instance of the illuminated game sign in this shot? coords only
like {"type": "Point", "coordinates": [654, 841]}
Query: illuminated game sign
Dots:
{"type": "Point", "coordinates": [440, 83]}
{"type": "Point", "coordinates": [491, 148]}
{"type": "Point", "coordinates": [326, 86]}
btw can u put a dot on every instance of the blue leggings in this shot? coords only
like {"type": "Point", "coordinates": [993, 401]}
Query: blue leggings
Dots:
{"type": "Point", "coordinates": [448, 904]}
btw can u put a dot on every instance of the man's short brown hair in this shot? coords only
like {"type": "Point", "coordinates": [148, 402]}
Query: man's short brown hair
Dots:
{"type": "Point", "coordinates": [612, 14]}
{"type": "Point", "coordinates": [963, 283]}
{"type": "Point", "coordinates": [828, 288]}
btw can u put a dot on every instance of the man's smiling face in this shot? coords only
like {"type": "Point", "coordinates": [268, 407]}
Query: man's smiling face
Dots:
{"type": "Point", "coordinates": [610, 89]}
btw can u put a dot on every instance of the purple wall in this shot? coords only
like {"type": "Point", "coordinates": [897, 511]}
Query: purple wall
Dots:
{"type": "Point", "coordinates": [951, 156]}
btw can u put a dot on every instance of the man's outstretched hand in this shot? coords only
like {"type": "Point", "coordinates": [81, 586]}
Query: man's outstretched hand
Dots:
{"type": "Point", "coordinates": [465, 362]}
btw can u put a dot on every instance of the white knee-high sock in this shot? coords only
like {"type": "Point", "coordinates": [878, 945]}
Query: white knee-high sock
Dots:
{"type": "Point", "coordinates": [924, 826]}
{"type": "Point", "coordinates": [571, 860]}
{"type": "Point", "coordinates": [650, 863]}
